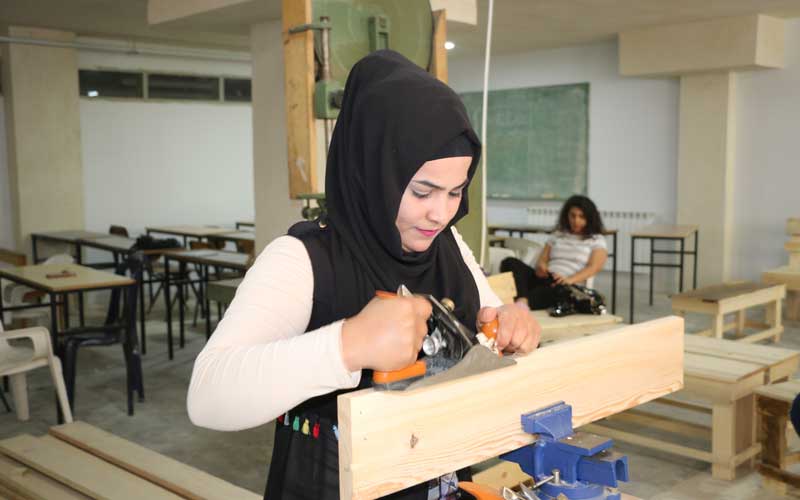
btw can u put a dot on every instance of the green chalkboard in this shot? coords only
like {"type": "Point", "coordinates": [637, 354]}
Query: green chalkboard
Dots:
{"type": "Point", "coordinates": [538, 141]}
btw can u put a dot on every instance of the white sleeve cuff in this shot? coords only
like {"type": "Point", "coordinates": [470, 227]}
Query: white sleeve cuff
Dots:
{"type": "Point", "coordinates": [347, 379]}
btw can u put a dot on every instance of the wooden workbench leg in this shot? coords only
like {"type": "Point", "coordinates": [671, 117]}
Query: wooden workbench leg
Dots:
{"type": "Point", "coordinates": [773, 317]}
{"type": "Point", "coordinates": [723, 441]}
{"type": "Point", "coordinates": [745, 429]}
{"type": "Point", "coordinates": [740, 320]}
{"type": "Point", "coordinates": [772, 434]}
{"type": "Point", "coordinates": [718, 327]}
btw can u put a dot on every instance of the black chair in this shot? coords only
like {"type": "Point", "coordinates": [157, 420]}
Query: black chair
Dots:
{"type": "Point", "coordinates": [118, 231]}
{"type": "Point", "coordinates": [119, 328]}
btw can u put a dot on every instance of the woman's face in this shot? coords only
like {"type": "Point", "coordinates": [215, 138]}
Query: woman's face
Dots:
{"type": "Point", "coordinates": [577, 220]}
{"type": "Point", "coordinates": [430, 201]}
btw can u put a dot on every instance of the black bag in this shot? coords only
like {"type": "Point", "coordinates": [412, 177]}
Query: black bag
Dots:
{"type": "Point", "coordinates": [577, 299]}
{"type": "Point", "coordinates": [147, 242]}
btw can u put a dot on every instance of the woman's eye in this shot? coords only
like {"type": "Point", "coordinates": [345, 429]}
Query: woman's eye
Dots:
{"type": "Point", "coordinates": [420, 195]}
{"type": "Point", "coordinates": [455, 194]}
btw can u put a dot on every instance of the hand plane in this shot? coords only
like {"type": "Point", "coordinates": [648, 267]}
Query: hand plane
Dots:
{"type": "Point", "coordinates": [450, 350]}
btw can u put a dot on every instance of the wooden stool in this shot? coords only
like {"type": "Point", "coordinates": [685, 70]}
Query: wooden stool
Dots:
{"type": "Point", "coordinates": [774, 402]}
{"type": "Point", "coordinates": [720, 377]}
{"type": "Point", "coordinates": [719, 300]}
{"type": "Point", "coordinates": [789, 276]}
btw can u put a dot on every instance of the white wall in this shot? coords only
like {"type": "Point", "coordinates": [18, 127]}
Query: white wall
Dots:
{"type": "Point", "coordinates": [7, 239]}
{"type": "Point", "coordinates": [165, 162]}
{"type": "Point", "coordinates": [767, 168]}
{"type": "Point", "coordinates": [633, 124]}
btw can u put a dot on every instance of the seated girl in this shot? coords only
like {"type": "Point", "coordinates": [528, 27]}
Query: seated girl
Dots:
{"type": "Point", "coordinates": [575, 252]}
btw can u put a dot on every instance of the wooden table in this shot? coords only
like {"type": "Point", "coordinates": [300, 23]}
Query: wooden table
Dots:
{"type": "Point", "coordinates": [575, 325]}
{"type": "Point", "coordinates": [724, 375]}
{"type": "Point", "coordinates": [789, 276]}
{"type": "Point", "coordinates": [773, 403]}
{"type": "Point", "coordinates": [530, 229]}
{"type": "Point", "coordinates": [663, 232]}
{"type": "Point", "coordinates": [79, 461]}
{"type": "Point", "coordinates": [69, 237]}
{"type": "Point", "coordinates": [735, 297]}
{"type": "Point", "coordinates": [223, 291]}
{"type": "Point", "coordinates": [188, 231]}
{"type": "Point", "coordinates": [241, 224]}
{"type": "Point", "coordinates": [205, 258]}
{"type": "Point", "coordinates": [244, 240]}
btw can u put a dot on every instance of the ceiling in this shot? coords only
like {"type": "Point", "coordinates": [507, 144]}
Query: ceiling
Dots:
{"type": "Point", "coordinates": [519, 25]}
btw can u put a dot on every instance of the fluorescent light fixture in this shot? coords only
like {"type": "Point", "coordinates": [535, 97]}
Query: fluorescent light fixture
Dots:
{"type": "Point", "coordinates": [449, 45]}
{"type": "Point", "coordinates": [93, 93]}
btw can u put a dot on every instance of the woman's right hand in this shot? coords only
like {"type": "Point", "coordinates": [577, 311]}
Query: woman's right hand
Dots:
{"type": "Point", "coordinates": [541, 270]}
{"type": "Point", "coordinates": [386, 335]}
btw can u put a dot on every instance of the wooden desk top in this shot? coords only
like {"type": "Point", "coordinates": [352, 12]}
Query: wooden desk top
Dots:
{"type": "Point", "coordinates": [717, 293]}
{"type": "Point", "coordinates": [248, 223]}
{"type": "Point", "coordinates": [112, 243]}
{"type": "Point", "coordinates": [236, 236]}
{"type": "Point", "coordinates": [85, 278]}
{"type": "Point", "coordinates": [778, 361]}
{"type": "Point", "coordinates": [209, 257]}
{"type": "Point", "coordinates": [68, 236]}
{"type": "Point", "coordinates": [533, 229]}
{"type": "Point", "coordinates": [197, 231]}
{"type": "Point", "coordinates": [720, 369]}
{"type": "Point", "coordinates": [789, 276]}
{"type": "Point", "coordinates": [793, 226]}
{"type": "Point", "coordinates": [665, 231]}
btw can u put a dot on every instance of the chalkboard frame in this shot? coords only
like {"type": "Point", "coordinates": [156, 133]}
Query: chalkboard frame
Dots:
{"type": "Point", "coordinates": [579, 167]}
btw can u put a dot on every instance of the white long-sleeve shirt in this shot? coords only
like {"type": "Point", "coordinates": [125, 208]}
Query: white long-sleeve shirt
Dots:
{"type": "Point", "coordinates": [259, 363]}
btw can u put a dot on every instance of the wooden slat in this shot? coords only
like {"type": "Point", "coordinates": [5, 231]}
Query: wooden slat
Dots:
{"type": "Point", "coordinates": [391, 440]}
{"type": "Point", "coordinates": [665, 231]}
{"type": "Point", "coordinates": [785, 391]}
{"type": "Point", "coordinates": [24, 482]}
{"type": "Point", "coordinates": [89, 475]}
{"type": "Point", "coordinates": [298, 66]}
{"type": "Point", "coordinates": [719, 369]}
{"type": "Point", "coordinates": [172, 475]}
{"type": "Point", "coordinates": [731, 349]}
{"type": "Point", "coordinates": [439, 53]}
{"type": "Point", "coordinates": [649, 442]}
{"type": "Point", "coordinates": [786, 275]}
{"type": "Point", "coordinates": [715, 293]}
{"type": "Point", "coordinates": [12, 258]}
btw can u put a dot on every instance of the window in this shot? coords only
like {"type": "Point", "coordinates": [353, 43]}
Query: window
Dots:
{"type": "Point", "coordinates": [237, 89]}
{"type": "Point", "coordinates": [110, 84]}
{"type": "Point", "coordinates": [202, 88]}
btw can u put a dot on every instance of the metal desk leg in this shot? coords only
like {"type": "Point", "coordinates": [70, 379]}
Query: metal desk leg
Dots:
{"type": "Point", "coordinates": [65, 300]}
{"type": "Point", "coordinates": [2, 314]}
{"type": "Point", "coordinates": [57, 350]}
{"type": "Point", "coordinates": [169, 309]}
{"type": "Point", "coordinates": [206, 301]}
{"type": "Point", "coordinates": [680, 278]}
{"type": "Point", "coordinates": [652, 268]}
{"type": "Point", "coordinates": [614, 278]}
{"type": "Point", "coordinates": [696, 245]}
{"type": "Point", "coordinates": [142, 312]}
{"type": "Point", "coordinates": [633, 273]}
{"type": "Point", "coordinates": [79, 259]}
{"type": "Point", "coordinates": [181, 301]}
{"type": "Point", "coordinates": [34, 252]}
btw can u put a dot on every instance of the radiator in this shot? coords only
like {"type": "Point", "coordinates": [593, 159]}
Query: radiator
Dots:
{"type": "Point", "coordinates": [623, 221]}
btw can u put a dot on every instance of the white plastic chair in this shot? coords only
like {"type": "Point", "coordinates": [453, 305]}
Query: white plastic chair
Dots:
{"type": "Point", "coordinates": [16, 360]}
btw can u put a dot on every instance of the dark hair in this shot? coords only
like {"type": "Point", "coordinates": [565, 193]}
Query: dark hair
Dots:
{"type": "Point", "coordinates": [594, 223]}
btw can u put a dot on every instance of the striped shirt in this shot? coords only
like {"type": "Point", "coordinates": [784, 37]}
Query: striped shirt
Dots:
{"type": "Point", "coordinates": [569, 253]}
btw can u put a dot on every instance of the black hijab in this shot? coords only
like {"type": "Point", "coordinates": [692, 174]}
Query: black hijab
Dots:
{"type": "Point", "coordinates": [395, 116]}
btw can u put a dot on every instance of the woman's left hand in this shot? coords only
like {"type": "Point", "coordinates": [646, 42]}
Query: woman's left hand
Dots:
{"type": "Point", "coordinates": [562, 280]}
{"type": "Point", "coordinates": [518, 331]}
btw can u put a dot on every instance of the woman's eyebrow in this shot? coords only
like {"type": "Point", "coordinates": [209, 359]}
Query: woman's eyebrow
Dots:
{"type": "Point", "coordinates": [438, 187]}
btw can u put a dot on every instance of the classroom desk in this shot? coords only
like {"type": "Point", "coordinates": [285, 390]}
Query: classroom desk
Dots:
{"type": "Point", "coordinates": [185, 232]}
{"type": "Point", "coordinates": [69, 237]}
{"type": "Point", "coordinates": [223, 291]}
{"type": "Point", "coordinates": [241, 224]}
{"type": "Point", "coordinates": [668, 232]}
{"type": "Point", "coordinates": [83, 279]}
{"type": "Point", "coordinates": [493, 228]}
{"type": "Point", "coordinates": [205, 258]}
{"type": "Point", "coordinates": [244, 240]}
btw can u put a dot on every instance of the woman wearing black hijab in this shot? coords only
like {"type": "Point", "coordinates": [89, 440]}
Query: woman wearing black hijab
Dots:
{"type": "Point", "coordinates": [305, 326]}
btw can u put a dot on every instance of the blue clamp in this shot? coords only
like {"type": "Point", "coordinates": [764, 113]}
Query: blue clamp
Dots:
{"type": "Point", "coordinates": [582, 465]}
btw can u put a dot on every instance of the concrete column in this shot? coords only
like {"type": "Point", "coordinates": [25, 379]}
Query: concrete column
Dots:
{"type": "Point", "coordinates": [705, 168]}
{"type": "Point", "coordinates": [43, 134]}
{"type": "Point", "coordinates": [275, 212]}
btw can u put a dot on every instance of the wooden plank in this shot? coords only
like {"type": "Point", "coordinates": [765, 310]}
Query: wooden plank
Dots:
{"type": "Point", "coordinates": [756, 298]}
{"type": "Point", "coordinates": [12, 258]}
{"type": "Point", "coordinates": [766, 334]}
{"type": "Point", "coordinates": [503, 285]}
{"type": "Point", "coordinates": [715, 293]}
{"type": "Point", "coordinates": [170, 474]}
{"type": "Point", "coordinates": [439, 53]}
{"type": "Point", "coordinates": [785, 391]}
{"type": "Point", "coordinates": [793, 226]}
{"type": "Point", "coordinates": [665, 231]}
{"type": "Point", "coordinates": [662, 423]}
{"type": "Point", "coordinates": [89, 475]}
{"type": "Point", "coordinates": [22, 481]}
{"type": "Point", "coordinates": [719, 369]}
{"type": "Point", "coordinates": [730, 349]}
{"type": "Point", "coordinates": [391, 440]}
{"type": "Point", "coordinates": [783, 275]}
{"type": "Point", "coordinates": [656, 444]}
{"type": "Point", "coordinates": [298, 65]}
{"type": "Point", "coordinates": [77, 277]}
